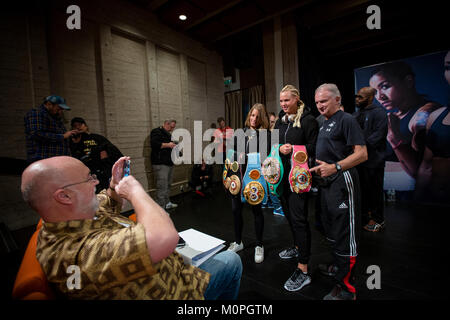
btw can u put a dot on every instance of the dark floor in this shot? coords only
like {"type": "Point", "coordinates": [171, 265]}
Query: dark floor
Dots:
{"type": "Point", "coordinates": [410, 252]}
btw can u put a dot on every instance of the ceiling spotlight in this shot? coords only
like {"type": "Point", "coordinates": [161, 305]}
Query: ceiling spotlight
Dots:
{"type": "Point", "coordinates": [182, 17]}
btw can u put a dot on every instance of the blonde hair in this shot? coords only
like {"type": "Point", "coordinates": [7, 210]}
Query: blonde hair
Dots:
{"type": "Point", "coordinates": [263, 119]}
{"type": "Point", "coordinates": [300, 105]}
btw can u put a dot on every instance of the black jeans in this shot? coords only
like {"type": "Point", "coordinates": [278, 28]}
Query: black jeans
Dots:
{"type": "Point", "coordinates": [236, 207]}
{"type": "Point", "coordinates": [372, 194]}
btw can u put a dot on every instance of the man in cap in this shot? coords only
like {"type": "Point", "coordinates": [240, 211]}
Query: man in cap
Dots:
{"type": "Point", "coordinates": [46, 135]}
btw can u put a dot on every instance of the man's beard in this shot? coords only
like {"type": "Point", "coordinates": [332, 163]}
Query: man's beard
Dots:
{"type": "Point", "coordinates": [94, 203]}
{"type": "Point", "coordinates": [90, 205]}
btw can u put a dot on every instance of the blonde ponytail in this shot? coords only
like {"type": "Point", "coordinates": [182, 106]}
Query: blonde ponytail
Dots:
{"type": "Point", "coordinates": [301, 107]}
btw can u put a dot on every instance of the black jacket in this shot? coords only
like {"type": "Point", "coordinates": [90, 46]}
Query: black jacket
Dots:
{"type": "Point", "coordinates": [159, 155]}
{"type": "Point", "coordinates": [305, 135]}
{"type": "Point", "coordinates": [374, 123]}
{"type": "Point", "coordinates": [89, 149]}
{"type": "Point", "coordinates": [252, 138]}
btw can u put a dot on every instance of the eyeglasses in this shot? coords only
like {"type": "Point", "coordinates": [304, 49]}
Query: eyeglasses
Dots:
{"type": "Point", "coordinates": [92, 177]}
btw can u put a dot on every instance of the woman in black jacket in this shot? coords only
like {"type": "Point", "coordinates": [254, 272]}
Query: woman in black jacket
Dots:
{"type": "Point", "coordinates": [256, 119]}
{"type": "Point", "coordinates": [296, 127]}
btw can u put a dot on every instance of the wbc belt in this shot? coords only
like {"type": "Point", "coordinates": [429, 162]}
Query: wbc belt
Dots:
{"type": "Point", "coordinates": [254, 189]}
{"type": "Point", "coordinates": [231, 174]}
{"type": "Point", "coordinates": [272, 170]}
{"type": "Point", "coordinates": [299, 176]}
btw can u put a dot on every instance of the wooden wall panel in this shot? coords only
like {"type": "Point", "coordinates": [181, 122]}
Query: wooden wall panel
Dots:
{"type": "Point", "coordinates": [132, 112]}
{"type": "Point", "coordinates": [169, 86]}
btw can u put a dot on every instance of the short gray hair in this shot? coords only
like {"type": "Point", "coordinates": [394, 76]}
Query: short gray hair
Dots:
{"type": "Point", "coordinates": [34, 190]}
{"type": "Point", "coordinates": [331, 88]}
{"type": "Point", "coordinates": [170, 121]}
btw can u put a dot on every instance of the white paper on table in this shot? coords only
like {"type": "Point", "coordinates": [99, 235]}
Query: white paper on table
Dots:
{"type": "Point", "coordinates": [200, 241]}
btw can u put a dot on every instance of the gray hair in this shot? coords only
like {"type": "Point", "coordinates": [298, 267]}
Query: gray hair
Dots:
{"type": "Point", "coordinates": [331, 88]}
{"type": "Point", "coordinates": [28, 195]}
{"type": "Point", "coordinates": [35, 190]}
{"type": "Point", "coordinates": [170, 121]}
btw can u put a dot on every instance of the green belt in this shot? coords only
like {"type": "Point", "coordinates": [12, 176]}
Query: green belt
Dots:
{"type": "Point", "coordinates": [272, 169]}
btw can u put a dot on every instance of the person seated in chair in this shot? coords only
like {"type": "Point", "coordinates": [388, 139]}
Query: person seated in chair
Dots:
{"type": "Point", "coordinates": [201, 178]}
{"type": "Point", "coordinates": [116, 258]}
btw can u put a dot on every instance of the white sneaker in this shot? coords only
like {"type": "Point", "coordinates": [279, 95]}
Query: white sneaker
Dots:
{"type": "Point", "coordinates": [171, 205]}
{"type": "Point", "coordinates": [259, 254]}
{"type": "Point", "coordinates": [236, 247]}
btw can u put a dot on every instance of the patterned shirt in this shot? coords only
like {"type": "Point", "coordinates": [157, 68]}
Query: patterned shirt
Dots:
{"type": "Point", "coordinates": [44, 135]}
{"type": "Point", "coordinates": [111, 253]}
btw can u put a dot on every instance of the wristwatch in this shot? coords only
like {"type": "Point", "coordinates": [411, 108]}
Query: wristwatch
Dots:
{"type": "Point", "coordinates": [338, 167]}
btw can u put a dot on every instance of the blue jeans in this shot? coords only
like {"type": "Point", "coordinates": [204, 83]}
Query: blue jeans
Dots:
{"type": "Point", "coordinates": [275, 201]}
{"type": "Point", "coordinates": [226, 270]}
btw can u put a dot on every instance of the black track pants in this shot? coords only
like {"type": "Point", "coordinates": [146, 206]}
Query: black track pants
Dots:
{"type": "Point", "coordinates": [372, 194]}
{"type": "Point", "coordinates": [341, 207]}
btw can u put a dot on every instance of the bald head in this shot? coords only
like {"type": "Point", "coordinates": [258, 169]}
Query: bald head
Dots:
{"type": "Point", "coordinates": [42, 178]}
{"type": "Point", "coordinates": [365, 97]}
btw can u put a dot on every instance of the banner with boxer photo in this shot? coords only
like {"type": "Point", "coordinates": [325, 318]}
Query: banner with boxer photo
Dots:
{"type": "Point", "coordinates": [415, 94]}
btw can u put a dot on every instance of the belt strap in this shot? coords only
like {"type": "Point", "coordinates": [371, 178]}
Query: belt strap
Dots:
{"type": "Point", "coordinates": [254, 188]}
{"type": "Point", "coordinates": [231, 176]}
{"type": "Point", "coordinates": [299, 176]}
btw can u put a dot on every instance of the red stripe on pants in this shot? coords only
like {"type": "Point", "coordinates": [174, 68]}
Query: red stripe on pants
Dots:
{"type": "Point", "coordinates": [350, 288]}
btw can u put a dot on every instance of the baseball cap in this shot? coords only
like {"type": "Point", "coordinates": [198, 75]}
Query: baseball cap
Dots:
{"type": "Point", "coordinates": [60, 101]}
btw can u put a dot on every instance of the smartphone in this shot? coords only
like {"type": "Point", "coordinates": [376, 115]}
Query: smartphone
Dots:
{"type": "Point", "coordinates": [126, 168]}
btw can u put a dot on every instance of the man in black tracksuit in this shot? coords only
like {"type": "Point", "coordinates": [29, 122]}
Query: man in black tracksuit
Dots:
{"type": "Point", "coordinates": [340, 147]}
{"type": "Point", "coordinates": [374, 123]}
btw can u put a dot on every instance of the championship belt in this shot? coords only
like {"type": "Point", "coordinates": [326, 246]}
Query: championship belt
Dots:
{"type": "Point", "coordinates": [272, 170]}
{"type": "Point", "coordinates": [254, 189]}
{"type": "Point", "coordinates": [299, 176]}
{"type": "Point", "coordinates": [231, 174]}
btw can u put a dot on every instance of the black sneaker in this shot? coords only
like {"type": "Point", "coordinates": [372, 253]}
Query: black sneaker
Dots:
{"type": "Point", "coordinates": [329, 270]}
{"type": "Point", "coordinates": [289, 253]}
{"type": "Point", "coordinates": [297, 281]}
{"type": "Point", "coordinates": [339, 294]}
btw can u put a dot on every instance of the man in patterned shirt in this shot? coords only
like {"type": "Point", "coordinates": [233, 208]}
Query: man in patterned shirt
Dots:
{"type": "Point", "coordinates": [45, 133]}
{"type": "Point", "coordinates": [117, 258]}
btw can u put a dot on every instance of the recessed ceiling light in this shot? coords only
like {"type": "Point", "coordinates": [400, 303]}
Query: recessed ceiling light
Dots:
{"type": "Point", "coordinates": [182, 17]}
